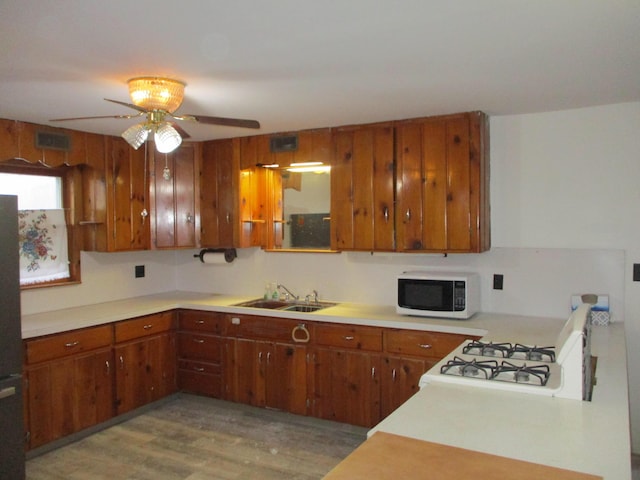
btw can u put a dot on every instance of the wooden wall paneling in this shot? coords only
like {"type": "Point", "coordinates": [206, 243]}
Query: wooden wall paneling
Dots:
{"type": "Point", "coordinates": [9, 139]}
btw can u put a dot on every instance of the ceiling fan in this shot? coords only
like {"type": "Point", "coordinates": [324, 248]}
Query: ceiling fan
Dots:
{"type": "Point", "coordinates": [157, 99]}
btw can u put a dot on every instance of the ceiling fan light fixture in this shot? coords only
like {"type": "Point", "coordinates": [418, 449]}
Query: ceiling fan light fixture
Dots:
{"type": "Point", "coordinates": [167, 138]}
{"type": "Point", "coordinates": [136, 135]}
{"type": "Point", "coordinates": [156, 93]}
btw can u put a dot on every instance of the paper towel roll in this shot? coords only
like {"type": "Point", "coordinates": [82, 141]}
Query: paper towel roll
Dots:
{"type": "Point", "coordinates": [216, 258]}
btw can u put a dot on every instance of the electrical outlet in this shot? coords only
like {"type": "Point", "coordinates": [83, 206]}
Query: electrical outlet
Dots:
{"type": "Point", "coordinates": [498, 281]}
{"type": "Point", "coordinates": [636, 272]}
{"type": "Point", "coordinates": [139, 271]}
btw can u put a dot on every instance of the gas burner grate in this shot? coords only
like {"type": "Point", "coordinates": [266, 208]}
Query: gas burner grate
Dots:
{"type": "Point", "coordinates": [530, 375]}
{"type": "Point", "coordinates": [535, 353]}
{"type": "Point", "coordinates": [470, 368]}
{"type": "Point", "coordinates": [487, 349]}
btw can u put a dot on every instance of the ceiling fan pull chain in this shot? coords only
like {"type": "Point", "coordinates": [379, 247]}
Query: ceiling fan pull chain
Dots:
{"type": "Point", "coordinates": [166, 173]}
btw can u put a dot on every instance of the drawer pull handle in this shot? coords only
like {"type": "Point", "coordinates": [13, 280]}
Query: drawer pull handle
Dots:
{"type": "Point", "coordinates": [393, 374]}
{"type": "Point", "coordinates": [149, 326]}
{"type": "Point", "coordinates": [198, 340]}
{"type": "Point", "coordinates": [198, 369]}
{"type": "Point", "coordinates": [349, 337]}
{"type": "Point", "coordinates": [424, 345]}
{"type": "Point", "coordinates": [72, 344]}
{"type": "Point", "coordinates": [121, 362]}
{"type": "Point", "coordinates": [108, 366]}
{"type": "Point", "coordinates": [300, 334]}
{"type": "Point", "coordinates": [199, 322]}
{"type": "Point", "coordinates": [373, 373]}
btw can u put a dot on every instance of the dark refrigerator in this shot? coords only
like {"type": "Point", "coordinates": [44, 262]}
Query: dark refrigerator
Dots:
{"type": "Point", "coordinates": [12, 458]}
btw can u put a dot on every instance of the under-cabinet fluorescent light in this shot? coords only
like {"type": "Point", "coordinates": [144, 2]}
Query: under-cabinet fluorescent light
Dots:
{"type": "Point", "coordinates": [317, 169]}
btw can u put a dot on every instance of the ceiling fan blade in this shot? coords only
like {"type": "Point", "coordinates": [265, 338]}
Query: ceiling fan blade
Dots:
{"type": "Point", "coordinates": [228, 122]}
{"type": "Point", "coordinates": [180, 130]}
{"type": "Point", "coordinates": [130, 105]}
{"type": "Point", "coordinates": [95, 117]}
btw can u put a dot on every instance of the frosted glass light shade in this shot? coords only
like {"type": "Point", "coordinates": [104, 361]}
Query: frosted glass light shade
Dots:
{"type": "Point", "coordinates": [136, 135]}
{"type": "Point", "coordinates": [167, 138]}
{"type": "Point", "coordinates": [156, 93]}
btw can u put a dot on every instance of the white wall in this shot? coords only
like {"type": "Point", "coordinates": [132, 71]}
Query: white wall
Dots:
{"type": "Point", "coordinates": [565, 190]}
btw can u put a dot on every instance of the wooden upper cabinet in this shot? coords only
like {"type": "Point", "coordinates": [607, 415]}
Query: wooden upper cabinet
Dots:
{"type": "Point", "coordinates": [174, 192]}
{"type": "Point", "coordinates": [442, 184]}
{"type": "Point", "coordinates": [219, 179]}
{"type": "Point", "coordinates": [362, 184]}
{"type": "Point", "coordinates": [127, 198]}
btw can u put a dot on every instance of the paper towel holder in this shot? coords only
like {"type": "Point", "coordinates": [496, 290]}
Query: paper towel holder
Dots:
{"type": "Point", "coordinates": [230, 254]}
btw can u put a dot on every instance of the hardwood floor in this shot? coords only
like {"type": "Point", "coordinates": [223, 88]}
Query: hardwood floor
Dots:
{"type": "Point", "coordinates": [197, 438]}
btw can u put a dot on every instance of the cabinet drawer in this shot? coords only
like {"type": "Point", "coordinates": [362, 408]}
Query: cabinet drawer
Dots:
{"type": "Point", "coordinates": [144, 326]}
{"type": "Point", "coordinates": [199, 367]}
{"type": "Point", "coordinates": [423, 344]}
{"type": "Point", "coordinates": [68, 343]}
{"type": "Point", "coordinates": [199, 346]}
{"type": "Point", "coordinates": [263, 328]}
{"type": "Point", "coordinates": [349, 336]}
{"type": "Point", "coordinates": [200, 378]}
{"type": "Point", "coordinates": [194, 320]}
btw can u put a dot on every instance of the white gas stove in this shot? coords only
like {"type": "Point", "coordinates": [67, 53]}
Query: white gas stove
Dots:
{"type": "Point", "coordinates": [562, 370]}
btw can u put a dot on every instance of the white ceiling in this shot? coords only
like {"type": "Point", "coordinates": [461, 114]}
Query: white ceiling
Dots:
{"type": "Point", "coordinates": [296, 64]}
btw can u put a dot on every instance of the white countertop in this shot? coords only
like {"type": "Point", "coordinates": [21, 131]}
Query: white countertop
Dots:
{"type": "Point", "coordinates": [538, 330]}
{"type": "Point", "coordinates": [592, 437]}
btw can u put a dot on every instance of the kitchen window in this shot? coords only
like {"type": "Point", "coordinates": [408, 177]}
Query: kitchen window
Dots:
{"type": "Point", "coordinates": [48, 254]}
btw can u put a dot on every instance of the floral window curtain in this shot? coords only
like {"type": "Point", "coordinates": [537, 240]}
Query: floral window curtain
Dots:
{"type": "Point", "coordinates": [42, 242]}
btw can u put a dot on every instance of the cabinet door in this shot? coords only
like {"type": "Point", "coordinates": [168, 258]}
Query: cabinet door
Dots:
{"type": "Point", "coordinates": [146, 371]}
{"type": "Point", "coordinates": [174, 190]}
{"type": "Point", "coordinates": [131, 375]}
{"type": "Point", "coordinates": [68, 395]}
{"type": "Point", "coordinates": [442, 184]}
{"type": "Point", "coordinates": [346, 386]}
{"type": "Point", "coordinates": [127, 202]}
{"type": "Point", "coordinates": [362, 209]}
{"type": "Point", "coordinates": [400, 377]}
{"type": "Point", "coordinates": [218, 193]}
{"type": "Point", "coordinates": [286, 387]}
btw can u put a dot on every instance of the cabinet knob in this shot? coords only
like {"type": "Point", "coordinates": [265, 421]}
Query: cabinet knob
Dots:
{"type": "Point", "coordinates": [407, 214]}
{"type": "Point", "coordinates": [144, 214]}
{"type": "Point", "coordinates": [349, 337]}
{"type": "Point", "coordinates": [189, 218]}
{"type": "Point", "coordinates": [386, 214]}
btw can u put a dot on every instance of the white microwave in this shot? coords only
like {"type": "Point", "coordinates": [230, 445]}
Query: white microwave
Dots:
{"type": "Point", "coordinates": [438, 294]}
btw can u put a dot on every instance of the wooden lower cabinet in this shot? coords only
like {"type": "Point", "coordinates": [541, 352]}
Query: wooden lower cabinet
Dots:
{"type": "Point", "coordinates": [399, 380]}
{"type": "Point", "coordinates": [270, 374]}
{"type": "Point", "coordinates": [346, 386]}
{"type": "Point", "coordinates": [146, 360]}
{"type": "Point", "coordinates": [346, 373]}
{"type": "Point", "coordinates": [68, 395]}
{"type": "Point", "coordinates": [203, 353]}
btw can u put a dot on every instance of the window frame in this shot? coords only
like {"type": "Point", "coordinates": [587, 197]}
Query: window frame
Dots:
{"type": "Point", "coordinates": [70, 179]}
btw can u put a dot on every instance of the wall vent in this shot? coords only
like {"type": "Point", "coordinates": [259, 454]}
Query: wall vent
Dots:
{"type": "Point", "coordinates": [53, 141]}
{"type": "Point", "coordinates": [288, 143]}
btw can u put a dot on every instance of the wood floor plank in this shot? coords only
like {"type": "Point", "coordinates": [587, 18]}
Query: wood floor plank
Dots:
{"type": "Point", "coordinates": [197, 438]}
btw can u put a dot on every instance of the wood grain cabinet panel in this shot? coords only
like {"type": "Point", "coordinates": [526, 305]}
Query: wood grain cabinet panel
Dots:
{"type": "Point", "coordinates": [349, 336]}
{"type": "Point", "coordinates": [219, 185]}
{"type": "Point", "coordinates": [145, 360]}
{"type": "Point", "coordinates": [362, 184]}
{"type": "Point", "coordinates": [68, 383]}
{"type": "Point", "coordinates": [175, 212]}
{"type": "Point", "coordinates": [442, 184]}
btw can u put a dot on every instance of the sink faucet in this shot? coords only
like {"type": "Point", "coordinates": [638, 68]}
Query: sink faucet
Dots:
{"type": "Point", "coordinates": [315, 297]}
{"type": "Point", "coordinates": [288, 293]}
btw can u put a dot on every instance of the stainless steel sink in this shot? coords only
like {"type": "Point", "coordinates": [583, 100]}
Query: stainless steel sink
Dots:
{"type": "Point", "coordinates": [285, 306]}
